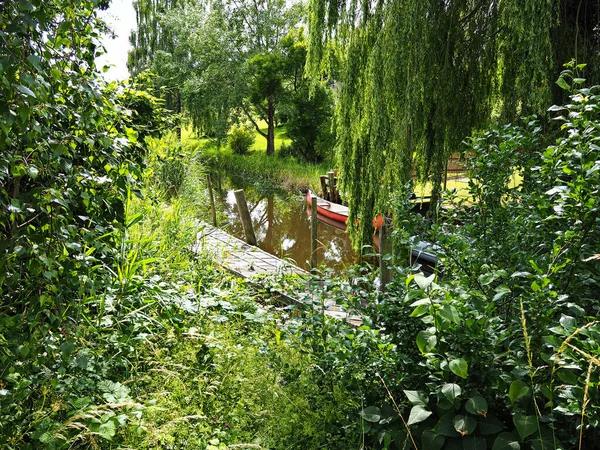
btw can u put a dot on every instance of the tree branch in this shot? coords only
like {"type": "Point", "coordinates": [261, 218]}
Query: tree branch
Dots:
{"type": "Point", "coordinates": [253, 121]}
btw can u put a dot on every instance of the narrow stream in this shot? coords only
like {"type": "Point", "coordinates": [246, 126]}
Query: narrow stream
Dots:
{"type": "Point", "coordinates": [282, 226]}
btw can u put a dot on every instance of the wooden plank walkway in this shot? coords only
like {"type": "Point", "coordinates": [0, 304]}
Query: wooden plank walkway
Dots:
{"type": "Point", "coordinates": [248, 262]}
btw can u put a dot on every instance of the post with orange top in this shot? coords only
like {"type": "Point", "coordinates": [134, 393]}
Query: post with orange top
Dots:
{"type": "Point", "coordinates": [313, 232]}
{"type": "Point", "coordinates": [385, 250]}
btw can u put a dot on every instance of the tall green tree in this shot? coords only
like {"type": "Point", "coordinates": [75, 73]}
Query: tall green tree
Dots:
{"type": "Point", "coordinates": [153, 47]}
{"type": "Point", "coordinates": [227, 54]}
{"type": "Point", "coordinates": [419, 76]}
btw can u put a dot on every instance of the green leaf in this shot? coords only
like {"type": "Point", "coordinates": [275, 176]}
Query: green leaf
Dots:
{"type": "Point", "coordinates": [420, 310]}
{"type": "Point", "coordinates": [451, 391]}
{"type": "Point", "coordinates": [25, 90]}
{"type": "Point", "coordinates": [477, 405]}
{"type": "Point", "coordinates": [526, 425]}
{"type": "Point", "coordinates": [563, 84]}
{"type": "Point", "coordinates": [107, 430]}
{"type": "Point", "coordinates": [34, 60]}
{"type": "Point", "coordinates": [67, 348]}
{"type": "Point", "coordinates": [371, 414]}
{"type": "Point", "coordinates": [450, 313]}
{"type": "Point", "coordinates": [432, 440]}
{"type": "Point", "coordinates": [567, 376]}
{"type": "Point", "coordinates": [506, 441]}
{"type": "Point", "coordinates": [489, 425]}
{"type": "Point", "coordinates": [474, 443]}
{"type": "Point", "coordinates": [418, 414]}
{"type": "Point", "coordinates": [417, 397]}
{"type": "Point", "coordinates": [426, 341]}
{"type": "Point", "coordinates": [464, 424]}
{"type": "Point", "coordinates": [518, 390]}
{"type": "Point", "coordinates": [445, 425]}
{"type": "Point", "coordinates": [459, 367]}
{"type": "Point", "coordinates": [424, 281]}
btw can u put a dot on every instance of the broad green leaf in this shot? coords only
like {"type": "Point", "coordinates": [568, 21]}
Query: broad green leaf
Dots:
{"type": "Point", "coordinates": [474, 443]}
{"type": "Point", "coordinates": [420, 310]}
{"type": "Point", "coordinates": [506, 441]}
{"type": "Point", "coordinates": [107, 430]}
{"type": "Point", "coordinates": [418, 414]}
{"type": "Point", "coordinates": [518, 390]}
{"type": "Point", "coordinates": [477, 405]}
{"type": "Point", "coordinates": [450, 313]}
{"type": "Point", "coordinates": [464, 424]}
{"type": "Point", "coordinates": [489, 425]}
{"type": "Point", "coordinates": [371, 414]}
{"type": "Point", "coordinates": [567, 376]}
{"type": "Point", "coordinates": [451, 391]}
{"type": "Point", "coordinates": [459, 367]}
{"type": "Point", "coordinates": [563, 84]}
{"type": "Point", "coordinates": [526, 425]}
{"type": "Point", "coordinates": [426, 341]}
{"type": "Point", "coordinates": [424, 281]}
{"type": "Point", "coordinates": [417, 397]}
{"type": "Point", "coordinates": [67, 348]}
{"type": "Point", "coordinates": [445, 425]}
{"type": "Point", "coordinates": [556, 108]}
{"type": "Point", "coordinates": [432, 440]}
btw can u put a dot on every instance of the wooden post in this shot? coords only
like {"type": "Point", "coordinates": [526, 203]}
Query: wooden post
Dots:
{"type": "Point", "coordinates": [332, 195]}
{"type": "Point", "coordinates": [323, 179]}
{"type": "Point", "coordinates": [385, 248]}
{"type": "Point", "coordinates": [313, 232]}
{"type": "Point", "coordinates": [212, 199]}
{"type": "Point", "coordinates": [240, 199]}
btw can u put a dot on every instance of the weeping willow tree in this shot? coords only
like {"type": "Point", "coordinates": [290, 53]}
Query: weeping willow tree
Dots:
{"type": "Point", "coordinates": [153, 46]}
{"type": "Point", "coordinates": [421, 75]}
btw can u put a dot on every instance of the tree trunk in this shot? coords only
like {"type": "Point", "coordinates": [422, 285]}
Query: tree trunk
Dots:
{"type": "Point", "coordinates": [271, 126]}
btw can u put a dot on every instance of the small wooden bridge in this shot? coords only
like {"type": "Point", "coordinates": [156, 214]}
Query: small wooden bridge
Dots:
{"type": "Point", "coordinates": [248, 262]}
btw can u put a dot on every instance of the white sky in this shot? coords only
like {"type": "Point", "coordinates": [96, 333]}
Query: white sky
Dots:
{"type": "Point", "coordinates": [121, 18]}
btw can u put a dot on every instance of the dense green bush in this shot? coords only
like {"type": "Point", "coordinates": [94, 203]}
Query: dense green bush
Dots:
{"type": "Point", "coordinates": [309, 124]}
{"type": "Point", "coordinates": [240, 140]}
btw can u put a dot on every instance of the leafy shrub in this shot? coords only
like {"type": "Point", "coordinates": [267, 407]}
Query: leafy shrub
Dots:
{"type": "Point", "coordinates": [309, 124]}
{"type": "Point", "coordinates": [240, 140]}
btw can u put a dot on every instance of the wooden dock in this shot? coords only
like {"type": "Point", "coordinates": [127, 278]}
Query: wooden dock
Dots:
{"type": "Point", "coordinates": [248, 262]}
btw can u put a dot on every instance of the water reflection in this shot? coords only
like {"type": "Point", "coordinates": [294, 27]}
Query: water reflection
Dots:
{"type": "Point", "coordinates": [282, 226]}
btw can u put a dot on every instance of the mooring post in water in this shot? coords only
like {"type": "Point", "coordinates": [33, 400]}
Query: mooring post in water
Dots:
{"type": "Point", "coordinates": [323, 179]}
{"type": "Point", "coordinates": [212, 200]}
{"type": "Point", "coordinates": [332, 195]}
{"type": "Point", "coordinates": [240, 199]}
{"type": "Point", "coordinates": [385, 248]}
{"type": "Point", "coordinates": [313, 232]}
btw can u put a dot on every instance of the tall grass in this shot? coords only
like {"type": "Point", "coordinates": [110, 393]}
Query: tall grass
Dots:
{"type": "Point", "coordinates": [285, 173]}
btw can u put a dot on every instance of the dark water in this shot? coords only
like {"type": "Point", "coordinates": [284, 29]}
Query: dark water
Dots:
{"type": "Point", "coordinates": [282, 226]}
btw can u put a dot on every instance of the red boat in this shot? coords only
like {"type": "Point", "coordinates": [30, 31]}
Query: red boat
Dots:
{"type": "Point", "coordinates": [335, 212]}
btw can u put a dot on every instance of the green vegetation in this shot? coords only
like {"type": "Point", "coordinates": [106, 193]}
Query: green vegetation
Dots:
{"type": "Point", "coordinates": [418, 77]}
{"type": "Point", "coordinates": [116, 334]}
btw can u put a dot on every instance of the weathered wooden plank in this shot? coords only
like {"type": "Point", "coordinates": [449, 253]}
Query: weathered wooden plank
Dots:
{"type": "Point", "coordinates": [248, 262]}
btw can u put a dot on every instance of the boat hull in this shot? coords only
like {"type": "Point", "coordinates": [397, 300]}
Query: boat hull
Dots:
{"type": "Point", "coordinates": [335, 212]}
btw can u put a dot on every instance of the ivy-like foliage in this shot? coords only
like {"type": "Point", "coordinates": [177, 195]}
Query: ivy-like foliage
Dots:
{"type": "Point", "coordinates": [419, 76]}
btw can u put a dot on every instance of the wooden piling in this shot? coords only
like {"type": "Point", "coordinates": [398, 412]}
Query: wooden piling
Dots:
{"type": "Point", "coordinates": [332, 190]}
{"type": "Point", "coordinates": [240, 199]}
{"type": "Point", "coordinates": [323, 179]}
{"type": "Point", "coordinates": [385, 248]}
{"type": "Point", "coordinates": [212, 200]}
{"type": "Point", "coordinates": [313, 232]}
